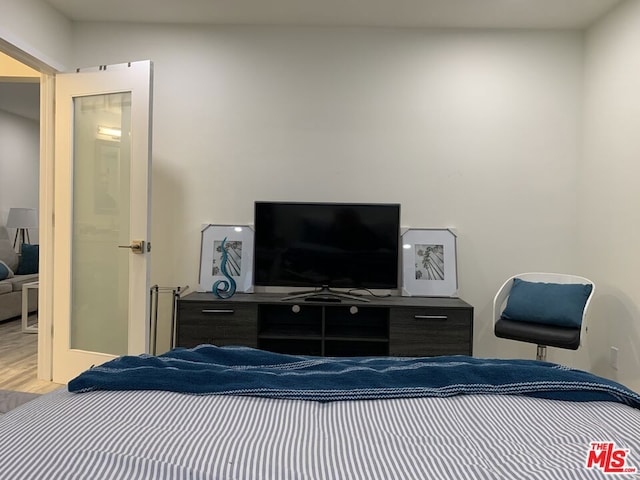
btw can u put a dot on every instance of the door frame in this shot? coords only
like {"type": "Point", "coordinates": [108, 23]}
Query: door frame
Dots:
{"type": "Point", "coordinates": [45, 205]}
{"type": "Point", "coordinates": [47, 223]}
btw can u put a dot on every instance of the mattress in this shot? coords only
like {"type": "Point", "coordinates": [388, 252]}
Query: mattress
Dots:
{"type": "Point", "coordinates": [10, 399]}
{"type": "Point", "coordinates": [168, 435]}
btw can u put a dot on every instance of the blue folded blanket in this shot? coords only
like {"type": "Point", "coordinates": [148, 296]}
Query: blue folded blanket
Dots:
{"type": "Point", "coordinates": [208, 369]}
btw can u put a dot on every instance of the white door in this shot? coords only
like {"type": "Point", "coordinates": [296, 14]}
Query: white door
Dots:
{"type": "Point", "coordinates": [102, 192]}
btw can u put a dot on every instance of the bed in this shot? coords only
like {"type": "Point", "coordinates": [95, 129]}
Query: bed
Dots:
{"type": "Point", "coordinates": [250, 414]}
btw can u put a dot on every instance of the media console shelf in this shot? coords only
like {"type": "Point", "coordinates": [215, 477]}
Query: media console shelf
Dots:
{"type": "Point", "coordinates": [399, 326]}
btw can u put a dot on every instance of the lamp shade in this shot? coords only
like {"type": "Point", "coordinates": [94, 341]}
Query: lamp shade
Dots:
{"type": "Point", "coordinates": [22, 218]}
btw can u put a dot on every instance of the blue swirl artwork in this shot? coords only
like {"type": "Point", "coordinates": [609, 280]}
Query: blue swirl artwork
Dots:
{"type": "Point", "coordinates": [224, 288]}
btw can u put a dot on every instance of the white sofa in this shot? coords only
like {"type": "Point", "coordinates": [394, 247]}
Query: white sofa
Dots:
{"type": "Point", "coordinates": [11, 288]}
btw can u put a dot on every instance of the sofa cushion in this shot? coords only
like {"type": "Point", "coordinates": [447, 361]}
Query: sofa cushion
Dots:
{"type": "Point", "coordinates": [29, 259]}
{"type": "Point", "coordinates": [6, 287]}
{"type": "Point", "coordinates": [7, 253]}
{"type": "Point", "coordinates": [17, 281]}
{"type": "Point", "coordinates": [5, 271]}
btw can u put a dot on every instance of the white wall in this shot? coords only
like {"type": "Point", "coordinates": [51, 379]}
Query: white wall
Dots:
{"type": "Point", "coordinates": [609, 194]}
{"type": "Point", "coordinates": [19, 166]}
{"type": "Point", "coordinates": [478, 130]}
{"type": "Point", "coordinates": [20, 98]}
{"type": "Point", "coordinates": [37, 29]}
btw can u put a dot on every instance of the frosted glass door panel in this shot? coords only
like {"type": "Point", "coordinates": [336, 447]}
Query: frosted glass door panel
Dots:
{"type": "Point", "coordinates": [100, 205]}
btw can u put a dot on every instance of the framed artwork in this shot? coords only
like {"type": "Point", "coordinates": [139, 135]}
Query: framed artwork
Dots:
{"type": "Point", "coordinates": [239, 248]}
{"type": "Point", "coordinates": [429, 263]}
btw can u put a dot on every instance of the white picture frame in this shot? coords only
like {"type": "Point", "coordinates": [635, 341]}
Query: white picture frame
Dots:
{"type": "Point", "coordinates": [239, 247]}
{"type": "Point", "coordinates": [429, 263]}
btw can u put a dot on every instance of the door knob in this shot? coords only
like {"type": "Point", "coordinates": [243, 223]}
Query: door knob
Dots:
{"type": "Point", "coordinates": [137, 246]}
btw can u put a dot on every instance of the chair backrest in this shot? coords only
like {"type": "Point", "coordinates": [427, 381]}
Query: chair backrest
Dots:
{"type": "Point", "coordinates": [501, 297]}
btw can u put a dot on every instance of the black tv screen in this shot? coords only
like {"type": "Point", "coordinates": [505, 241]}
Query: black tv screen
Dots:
{"type": "Point", "coordinates": [342, 245]}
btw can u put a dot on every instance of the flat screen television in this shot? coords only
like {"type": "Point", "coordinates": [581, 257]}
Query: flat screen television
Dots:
{"type": "Point", "coordinates": [340, 245]}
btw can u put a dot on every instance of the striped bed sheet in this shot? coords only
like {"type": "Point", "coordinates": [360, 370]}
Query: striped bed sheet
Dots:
{"type": "Point", "coordinates": [166, 435]}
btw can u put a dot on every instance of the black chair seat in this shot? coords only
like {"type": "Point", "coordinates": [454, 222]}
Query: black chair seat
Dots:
{"type": "Point", "coordinates": [548, 335]}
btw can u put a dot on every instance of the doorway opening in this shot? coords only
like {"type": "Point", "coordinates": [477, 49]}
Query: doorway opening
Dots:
{"type": "Point", "coordinates": [20, 136]}
{"type": "Point", "coordinates": [44, 192]}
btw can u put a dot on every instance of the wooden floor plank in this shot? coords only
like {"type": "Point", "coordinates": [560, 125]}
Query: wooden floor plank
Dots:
{"type": "Point", "coordinates": [19, 359]}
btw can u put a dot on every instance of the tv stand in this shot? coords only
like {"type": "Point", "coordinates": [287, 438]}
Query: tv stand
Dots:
{"type": "Point", "coordinates": [324, 294]}
{"type": "Point", "coordinates": [399, 326]}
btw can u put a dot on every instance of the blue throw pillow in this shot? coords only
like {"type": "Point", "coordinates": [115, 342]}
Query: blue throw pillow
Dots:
{"type": "Point", "coordinates": [5, 271]}
{"type": "Point", "coordinates": [30, 256]}
{"type": "Point", "coordinates": [547, 303]}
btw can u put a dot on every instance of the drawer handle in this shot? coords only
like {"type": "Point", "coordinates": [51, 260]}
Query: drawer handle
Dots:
{"type": "Point", "coordinates": [217, 311]}
{"type": "Point", "coordinates": [430, 317]}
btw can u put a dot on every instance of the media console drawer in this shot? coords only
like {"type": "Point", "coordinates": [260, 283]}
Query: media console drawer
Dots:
{"type": "Point", "coordinates": [399, 326]}
{"type": "Point", "coordinates": [430, 331]}
{"type": "Point", "coordinates": [216, 323]}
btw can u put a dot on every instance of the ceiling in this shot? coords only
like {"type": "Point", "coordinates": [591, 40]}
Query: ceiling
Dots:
{"type": "Point", "coordinates": [22, 99]}
{"type": "Point", "coordinates": [564, 14]}
{"type": "Point", "coordinates": [13, 70]}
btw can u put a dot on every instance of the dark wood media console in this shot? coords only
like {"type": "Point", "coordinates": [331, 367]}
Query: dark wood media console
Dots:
{"type": "Point", "coordinates": [399, 326]}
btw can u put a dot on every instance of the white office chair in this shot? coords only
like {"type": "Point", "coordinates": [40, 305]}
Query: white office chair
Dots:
{"type": "Point", "coordinates": [542, 334]}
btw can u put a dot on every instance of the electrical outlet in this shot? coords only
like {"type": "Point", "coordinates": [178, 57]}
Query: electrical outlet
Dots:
{"type": "Point", "coordinates": [613, 360]}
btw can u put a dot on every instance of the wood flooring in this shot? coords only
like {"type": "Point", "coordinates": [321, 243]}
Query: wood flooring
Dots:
{"type": "Point", "coordinates": [19, 359]}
